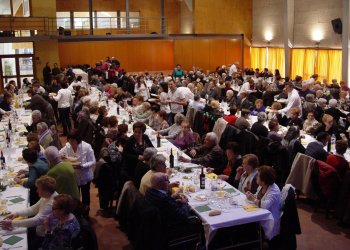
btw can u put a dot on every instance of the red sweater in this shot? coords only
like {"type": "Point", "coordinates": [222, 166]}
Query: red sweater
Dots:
{"type": "Point", "coordinates": [339, 163]}
{"type": "Point", "coordinates": [231, 119]}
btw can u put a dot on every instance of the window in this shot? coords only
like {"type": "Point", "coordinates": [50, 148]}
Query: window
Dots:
{"type": "Point", "coordinates": [5, 7]}
{"type": "Point", "coordinates": [134, 19]}
{"type": "Point", "coordinates": [106, 20]}
{"type": "Point", "coordinates": [81, 20]}
{"type": "Point", "coordinates": [26, 8]}
{"type": "Point", "coordinates": [63, 20]}
{"type": "Point", "coordinates": [16, 48]}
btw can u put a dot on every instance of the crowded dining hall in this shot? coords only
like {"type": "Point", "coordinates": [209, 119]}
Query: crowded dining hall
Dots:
{"type": "Point", "coordinates": [189, 124]}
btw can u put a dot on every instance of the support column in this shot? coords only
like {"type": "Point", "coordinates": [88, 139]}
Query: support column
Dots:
{"type": "Point", "coordinates": [162, 17]}
{"type": "Point", "coordinates": [91, 18]}
{"type": "Point", "coordinates": [345, 42]}
{"type": "Point", "coordinates": [288, 23]}
{"type": "Point", "coordinates": [127, 15]}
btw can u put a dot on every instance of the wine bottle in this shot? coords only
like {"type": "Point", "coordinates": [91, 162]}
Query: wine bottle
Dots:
{"type": "Point", "coordinates": [130, 118]}
{"type": "Point", "coordinates": [171, 159]}
{"type": "Point", "coordinates": [8, 138]}
{"type": "Point", "coordinates": [202, 180]}
{"type": "Point", "coordinates": [2, 160]}
{"type": "Point", "coordinates": [10, 125]}
{"type": "Point", "coordinates": [118, 111]}
{"type": "Point", "coordinates": [158, 140]}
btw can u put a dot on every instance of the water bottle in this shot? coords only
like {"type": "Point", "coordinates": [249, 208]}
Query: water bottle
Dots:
{"type": "Point", "coordinates": [333, 140]}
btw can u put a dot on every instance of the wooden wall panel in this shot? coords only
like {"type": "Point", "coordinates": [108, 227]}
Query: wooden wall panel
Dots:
{"type": "Point", "coordinates": [206, 53]}
{"type": "Point", "coordinates": [134, 55]}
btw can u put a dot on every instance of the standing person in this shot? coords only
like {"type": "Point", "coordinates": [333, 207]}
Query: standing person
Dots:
{"type": "Point", "coordinates": [176, 99]}
{"type": "Point", "coordinates": [84, 154]}
{"type": "Point", "coordinates": [178, 72]}
{"type": "Point", "coordinates": [294, 100]}
{"type": "Point", "coordinates": [141, 88]}
{"type": "Point", "coordinates": [65, 100]}
{"type": "Point", "coordinates": [47, 74]}
{"type": "Point", "coordinates": [163, 98]}
{"type": "Point", "coordinates": [56, 70]}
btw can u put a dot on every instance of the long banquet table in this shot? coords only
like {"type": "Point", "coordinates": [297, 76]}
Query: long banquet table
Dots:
{"type": "Point", "coordinates": [15, 197]}
{"type": "Point", "coordinates": [232, 215]}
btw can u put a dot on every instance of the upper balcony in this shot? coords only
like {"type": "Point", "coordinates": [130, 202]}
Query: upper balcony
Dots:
{"type": "Point", "coordinates": [19, 29]}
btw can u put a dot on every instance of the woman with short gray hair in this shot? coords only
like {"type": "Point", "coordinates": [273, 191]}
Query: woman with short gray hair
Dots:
{"type": "Point", "coordinates": [44, 133]}
{"type": "Point", "coordinates": [171, 132]}
{"type": "Point", "coordinates": [143, 167]}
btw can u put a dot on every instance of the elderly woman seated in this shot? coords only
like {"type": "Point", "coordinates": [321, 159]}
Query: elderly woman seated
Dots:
{"type": "Point", "coordinates": [184, 139]}
{"type": "Point", "coordinates": [334, 111]}
{"type": "Point", "coordinates": [242, 122]}
{"type": "Point", "coordinates": [259, 107]}
{"type": "Point", "coordinates": [173, 130]}
{"type": "Point", "coordinates": [144, 113]}
{"type": "Point", "coordinates": [62, 226]}
{"type": "Point", "coordinates": [268, 196]}
{"type": "Point", "coordinates": [208, 155]}
{"type": "Point", "coordinates": [46, 187]}
{"type": "Point", "coordinates": [310, 124]}
{"type": "Point", "coordinates": [143, 166]}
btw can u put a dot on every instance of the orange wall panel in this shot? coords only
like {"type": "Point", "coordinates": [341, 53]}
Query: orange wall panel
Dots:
{"type": "Point", "coordinates": [134, 55]}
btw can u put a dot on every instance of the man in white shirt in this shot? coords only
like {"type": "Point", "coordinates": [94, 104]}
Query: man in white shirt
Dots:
{"type": "Point", "coordinates": [176, 99]}
{"type": "Point", "coordinates": [294, 100]}
{"type": "Point", "coordinates": [246, 87]}
{"type": "Point", "coordinates": [232, 70]}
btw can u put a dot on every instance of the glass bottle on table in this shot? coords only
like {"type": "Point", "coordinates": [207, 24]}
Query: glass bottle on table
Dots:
{"type": "Point", "coordinates": [202, 179]}
{"type": "Point", "coordinates": [171, 159]}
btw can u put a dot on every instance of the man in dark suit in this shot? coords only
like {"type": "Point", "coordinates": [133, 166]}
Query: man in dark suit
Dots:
{"type": "Point", "coordinates": [316, 149]}
{"type": "Point", "coordinates": [244, 103]}
{"type": "Point", "coordinates": [173, 208]}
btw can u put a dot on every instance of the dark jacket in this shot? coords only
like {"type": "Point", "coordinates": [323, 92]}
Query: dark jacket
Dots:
{"type": "Point", "coordinates": [214, 157]}
{"type": "Point", "coordinates": [259, 129]}
{"type": "Point", "coordinates": [316, 151]}
{"type": "Point", "coordinates": [335, 113]}
{"type": "Point", "coordinates": [131, 154]}
{"type": "Point", "coordinates": [172, 212]}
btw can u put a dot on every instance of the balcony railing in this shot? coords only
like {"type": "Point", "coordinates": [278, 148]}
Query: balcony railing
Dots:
{"type": "Point", "coordinates": [44, 26]}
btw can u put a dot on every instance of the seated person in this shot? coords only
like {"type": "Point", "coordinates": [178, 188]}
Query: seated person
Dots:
{"type": "Point", "coordinates": [294, 119]}
{"type": "Point", "coordinates": [46, 187]}
{"type": "Point", "coordinates": [61, 226]}
{"type": "Point", "coordinates": [242, 122]}
{"type": "Point", "coordinates": [157, 164]}
{"type": "Point", "coordinates": [273, 135]}
{"type": "Point", "coordinates": [316, 149]}
{"type": "Point", "coordinates": [173, 208]}
{"type": "Point", "coordinates": [37, 168]}
{"type": "Point", "coordinates": [334, 111]}
{"type": "Point", "coordinates": [44, 133]}
{"type": "Point", "coordinates": [173, 130]}
{"type": "Point", "coordinates": [274, 115]}
{"type": "Point", "coordinates": [36, 118]}
{"type": "Point", "coordinates": [231, 118]}
{"type": "Point", "coordinates": [258, 127]}
{"type": "Point", "coordinates": [184, 139]}
{"type": "Point", "coordinates": [196, 103]}
{"type": "Point", "coordinates": [153, 119]}
{"type": "Point", "coordinates": [268, 196]}
{"type": "Point", "coordinates": [310, 124]}
{"type": "Point", "coordinates": [328, 126]}
{"type": "Point", "coordinates": [337, 160]}
{"type": "Point", "coordinates": [230, 98]}
{"type": "Point", "coordinates": [163, 120]}
{"type": "Point", "coordinates": [245, 179]}
{"type": "Point", "coordinates": [208, 155]}
{"type": "Point", "coordinates": [234, 160]}
{"type": "Point", "coordinates": [259, 107]}
{"type": "Point", "coordinates": [144, 112]}
{"type": "Point", "coordinates": [143, 166]}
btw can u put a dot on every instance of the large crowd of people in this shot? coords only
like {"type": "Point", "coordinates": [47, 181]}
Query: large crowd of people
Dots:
{"type": "Point", "coordinates": [319, 109]}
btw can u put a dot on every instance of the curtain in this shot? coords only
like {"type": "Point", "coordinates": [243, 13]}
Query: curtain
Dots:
{"type": "Point", "coordinates": [258, 58]}
{"type": "Point", "coordinates": [322, 64]}
{"type": "Point", "coordinates": [276, 60]}
{"type": "Point", "coordinates": [309, 63]}
{"type": "Point", "coordinates": [335, 65]}
{"type": "Point", "coordinates": [297, 64]}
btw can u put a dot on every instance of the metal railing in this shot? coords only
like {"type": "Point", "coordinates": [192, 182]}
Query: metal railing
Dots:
{"type": "Point", "coordinates": [45, 26]}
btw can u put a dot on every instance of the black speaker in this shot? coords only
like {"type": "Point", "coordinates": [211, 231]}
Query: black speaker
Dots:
{"type": "Point", "coordinates": [337, 26]}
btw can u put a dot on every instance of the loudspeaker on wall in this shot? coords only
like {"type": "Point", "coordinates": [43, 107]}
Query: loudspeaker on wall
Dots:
{"type": "Point", "coordinates": [337, 26]}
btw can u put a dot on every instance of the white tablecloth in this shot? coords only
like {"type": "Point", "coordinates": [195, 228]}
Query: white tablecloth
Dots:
{"type": "Point", "coordinates": [11, 155]}
{"type": "Point", "coordinates": [83, 74]}
{"type": "Point", "coordinates": [230, 217]}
